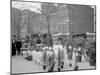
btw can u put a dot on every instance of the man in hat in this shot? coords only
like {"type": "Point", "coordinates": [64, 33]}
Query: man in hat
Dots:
{"type": "Point", "coordinates": [18, 46]}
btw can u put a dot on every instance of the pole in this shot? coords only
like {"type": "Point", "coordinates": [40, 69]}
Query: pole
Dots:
{"type": "Point", "coordinates": [28, 25]}
{"type": "Point", "coordinates": [48, 26]}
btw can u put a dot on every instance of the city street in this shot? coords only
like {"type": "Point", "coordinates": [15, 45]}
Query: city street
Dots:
{"type": "Point", "coordinates": [20, 65]}
{"type": "Point", "coordinates": [37, 26]}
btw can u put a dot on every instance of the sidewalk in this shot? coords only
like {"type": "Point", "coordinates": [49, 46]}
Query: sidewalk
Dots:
{"type": "Point", "coordinates": [20, 65]}
{"type": "Point", "coordinates": [81, 65]}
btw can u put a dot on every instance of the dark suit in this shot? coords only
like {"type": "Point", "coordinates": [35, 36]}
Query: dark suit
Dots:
{"type": "Point", "coordinates": [18, 46]}
{"type": "Point", "coordinates": [13, 49]}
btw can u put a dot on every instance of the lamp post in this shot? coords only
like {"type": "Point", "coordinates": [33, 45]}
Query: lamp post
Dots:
{"type": "Point", "coordinates": [48, 27]}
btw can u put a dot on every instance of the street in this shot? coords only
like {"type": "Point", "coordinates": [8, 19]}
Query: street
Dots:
{"type": "Point", "coordinates": [20, 65]}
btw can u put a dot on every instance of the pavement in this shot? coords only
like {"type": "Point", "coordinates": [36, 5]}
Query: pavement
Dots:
{"type": "Point", "coordinates": [20, 65]}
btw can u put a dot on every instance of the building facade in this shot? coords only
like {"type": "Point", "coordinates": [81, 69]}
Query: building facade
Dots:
{"type": "Point", "coordinates": [58, 17]}
{"type": "Point", "coordinates": [63, 18]}
{"type": "Point", "coordinates": [63, 25]}
{"type": "Point", "coordinates": [66, 18]}
{"type": "Point", "coordinates": [81, 18]}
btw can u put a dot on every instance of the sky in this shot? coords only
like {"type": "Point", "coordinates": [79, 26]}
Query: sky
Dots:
{"type": "Point", "coordinates": [27, 5]}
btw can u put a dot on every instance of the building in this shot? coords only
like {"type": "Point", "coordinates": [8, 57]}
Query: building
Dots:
{"type": "Point", "coordinates": [81, 18]}
{"type": "Point", "coordinates": [58, 17]}
{"type": "Point", "coordinates": [63, 25]}
{"type": "Point", "coordinates": [15, 19]}
{"type": "Point", "coordinates": [66, 18]}
{"type": "Point", "coordinates": [63, 18]}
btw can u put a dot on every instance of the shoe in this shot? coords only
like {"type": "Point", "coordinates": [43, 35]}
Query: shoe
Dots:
{"type": "Point", "coordinates": [44, 67]}
{"type": "Point", "coordinates": [62, 67]}
{"type": "Point", "coordinates": [49, 70]}
{"type": "Point", "coordinates": [59, 69]}
{"type": "Point", "coordinates": [70, 65]}
{"type": "Point", "coordinates": [76, 68]}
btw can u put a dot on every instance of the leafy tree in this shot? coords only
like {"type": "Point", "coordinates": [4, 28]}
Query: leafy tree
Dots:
{"type": "Point", "coordinates": [16, 17]}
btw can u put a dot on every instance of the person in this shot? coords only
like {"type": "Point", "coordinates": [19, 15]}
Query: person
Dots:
{"type": "Point", "coordinates": [13, 48]}
{"type": "Point", "coordinates": [45, 58]}
{"type": "Point", "coordinates": [59, 55]}
{"type": "Point", "coordinates": [79, 42]}
{"type": "Point", "coordinates": [51, 59]}
{"type": "Point", "coordinates": [70, 54]}
{"type": "Point", "coordinates": [18, 46]}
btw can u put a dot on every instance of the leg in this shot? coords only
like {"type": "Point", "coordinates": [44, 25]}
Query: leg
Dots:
{"type": "Point", "coordinates": [59, 66]}
{"type": "Point", "coordinates": [52, 66]}
{"type": "Point", "coordinates": [18, 50]}
{"type": "Point", "coordinates": [44, 67]}
{"type": "Point", "coordinates": [62, 65]}
{"type": "Point", "coordinates": [59, 69]}
{"type": "Point", "coordinates": [75, 68]}
{"type": "Point", "coordinates": [70, 63]}
{"type": "Point", "coordinates": [75, 63]}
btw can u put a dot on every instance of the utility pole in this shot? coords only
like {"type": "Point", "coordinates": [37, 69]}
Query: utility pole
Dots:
{"type": "Point", "coordinates": [48, 24]}
{"type": "Point", "coordinates": [28, 25]}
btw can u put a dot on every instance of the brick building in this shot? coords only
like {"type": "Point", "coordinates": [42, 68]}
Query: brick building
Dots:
{"type": "Point", "coordinates": [58, 17]}
{"type": "Point", "coordinates": [70, 18]}
{"type": "Point", "coordinates": [81, 18]}
{"type": "Point", "coordinates": [63, 18]}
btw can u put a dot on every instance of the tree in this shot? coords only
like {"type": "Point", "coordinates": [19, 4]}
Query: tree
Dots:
{"type": "Point", "coordinates": [47, 15]}
{"type": "Point", "coordinates": [16, 21]}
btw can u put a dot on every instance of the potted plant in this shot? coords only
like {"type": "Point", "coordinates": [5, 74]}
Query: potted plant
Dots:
{"type": "Point", "coordinates": [78, 44]}
{"type": "Point", "coordinates": [79, 55]}
{"type": "Point", "coordinates": [92, 60]}
{"type": "Point", "coordinates": [92, 54]}
{"type": "Point", "coordinates": [27, 39]}
{"type": "Point", "coordinates": [69, 52]}
{"type": "Point", "coordinates": [69, 46]}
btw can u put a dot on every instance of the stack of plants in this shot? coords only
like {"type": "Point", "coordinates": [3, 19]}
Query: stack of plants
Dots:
{"type": "Point", "coordinates": [91, 52]}
{"type": "Point", "coordinates": [78, 43]}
